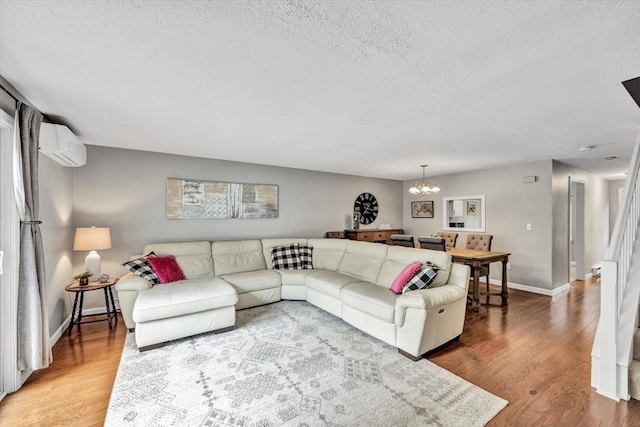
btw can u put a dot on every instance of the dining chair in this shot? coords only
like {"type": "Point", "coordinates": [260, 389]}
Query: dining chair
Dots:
{"type": "Point", "coordinates": [449, 239]}
{"type": "Point", "coordinates": [402, 240]}
{"type": "Point", "coordinates": [433, 243]}
{"type": "Point", "coordinates": [480, 242]}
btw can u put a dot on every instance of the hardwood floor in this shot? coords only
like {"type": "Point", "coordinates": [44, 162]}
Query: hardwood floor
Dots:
{"type": "Point", "coordinates": [534, 353]}
{"type": "Point", "coordinates": [75, 389]}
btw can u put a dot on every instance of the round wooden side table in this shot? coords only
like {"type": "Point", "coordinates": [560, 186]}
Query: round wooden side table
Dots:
{"type": "Point", "coordinates": [76, 317]}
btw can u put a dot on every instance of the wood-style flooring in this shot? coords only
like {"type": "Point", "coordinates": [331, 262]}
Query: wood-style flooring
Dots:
{"type": "Point", "coordinates": [535, 353]}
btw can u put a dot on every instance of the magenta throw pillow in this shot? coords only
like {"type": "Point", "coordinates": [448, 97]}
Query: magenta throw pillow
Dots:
{"type": "Point", "coordinates": [405, 275]}
{"type": "Point", "coordinates": [166, 268]}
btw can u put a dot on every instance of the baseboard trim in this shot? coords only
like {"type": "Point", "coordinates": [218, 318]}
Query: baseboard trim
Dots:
{"type": "Point", "coordinates": [61, 330]}
{"type": "Point", "coordinates": [533, 289]}
{"type": "Point", "coordinates": [53, 339]}
{"type": "Point", "coordinates": [564, 288]}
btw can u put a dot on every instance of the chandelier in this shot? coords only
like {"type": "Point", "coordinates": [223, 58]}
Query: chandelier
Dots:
{"type": "Point", "coordinates": [423, 187]}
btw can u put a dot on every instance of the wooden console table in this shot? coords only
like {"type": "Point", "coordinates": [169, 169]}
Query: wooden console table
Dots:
{"type": "Point", "coordinates": [377, 236]}
{"type": "Point", "coordinates": [476, 258]}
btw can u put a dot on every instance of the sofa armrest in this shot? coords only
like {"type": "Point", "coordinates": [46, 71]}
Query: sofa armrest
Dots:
{"type": "Point", "coordinates": [460, 276]}
{"type": "Point", "coordinates": [128, 288]}
{"type": "Point", "coordinates": [427, 299]}
{"type": "Point", "coordinates": [132, 282]}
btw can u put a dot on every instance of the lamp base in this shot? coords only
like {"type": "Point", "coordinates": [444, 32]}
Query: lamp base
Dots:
{"type": "Point", "coordinates": [92, 263]}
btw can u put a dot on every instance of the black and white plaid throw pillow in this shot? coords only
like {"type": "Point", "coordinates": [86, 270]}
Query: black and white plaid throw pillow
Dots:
{"type": "Point", "coordinates": [286, 257]}
{"type": "Point", "coordinates": [423, 278]}
{"type": "Point", "coordinates": [306, 256]}
{"type": "Point", "coordinates": [141, 267]}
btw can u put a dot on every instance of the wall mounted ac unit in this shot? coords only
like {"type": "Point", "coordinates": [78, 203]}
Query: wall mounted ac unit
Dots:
{"type": "Point", "coordinates": [59, 143]}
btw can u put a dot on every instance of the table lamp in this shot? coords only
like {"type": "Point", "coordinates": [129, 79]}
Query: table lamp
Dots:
{"type": "Point", "coordinates": [92, 239]}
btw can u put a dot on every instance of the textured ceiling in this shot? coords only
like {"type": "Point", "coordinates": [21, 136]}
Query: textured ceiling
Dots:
{"type": "Point", "coordinates": [366, 88]}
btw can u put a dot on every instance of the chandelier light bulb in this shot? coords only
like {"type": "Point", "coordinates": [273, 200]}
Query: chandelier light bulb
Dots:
{"type": "Point", "coordinates": [423, 187]}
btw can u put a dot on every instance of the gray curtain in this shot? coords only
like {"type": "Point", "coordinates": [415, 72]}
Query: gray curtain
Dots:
{"type": "Point", "coordinates": [34, 349]}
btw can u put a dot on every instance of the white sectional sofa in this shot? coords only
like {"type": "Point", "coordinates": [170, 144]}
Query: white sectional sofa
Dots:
{"type": "Point", "coordinates": [349, 279]}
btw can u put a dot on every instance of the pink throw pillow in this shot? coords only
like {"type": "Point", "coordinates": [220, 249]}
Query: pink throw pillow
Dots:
{"type": "Point", "coordinates": [166, 268]}
{"type": "Point", "coordinates": [405, 275]}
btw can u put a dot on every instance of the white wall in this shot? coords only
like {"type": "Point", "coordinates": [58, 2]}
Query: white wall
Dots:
{"type": "Point", "coordinates": [614, 202]}
{"type": "Point", "coordinates": [596, 220]}
{"type": "Point", "coordinates": [126, 190]}
{"type": "Point", "coordinates": [510, 205]}
{"type": "Point", "coordinates": [56, 202]}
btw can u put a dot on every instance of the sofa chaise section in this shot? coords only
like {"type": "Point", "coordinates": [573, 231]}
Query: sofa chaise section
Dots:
{"type": "Point", "coordinates": [171, 311]}
{"type": "Point", "coordinates": [194, 259]}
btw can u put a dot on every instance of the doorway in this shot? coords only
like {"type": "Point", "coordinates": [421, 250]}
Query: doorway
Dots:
{"type": "Point", "coordinates": [577, 269]}
{"type": "Point", "coordinates": [9, 229]}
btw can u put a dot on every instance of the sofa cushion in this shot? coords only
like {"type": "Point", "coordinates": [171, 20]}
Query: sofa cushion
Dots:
{"type": "Point", "coordinates": [363, 260]}
{"type": "Point", "coordinates": [194, 258]}
{"type": "Point", "coordinates": [423, 278]}
{"type": "Point", "coordinates": [328, 253]}
{"type": "Point", "coordinates": [166, 268]}
{"type": "Point", "coordinates": [328, 282]}
{"type": "Point", "coordinates": [371, 299]}
{"type": "Point", "coordinates": [185, 297]}
{"type": "Point", "coordinates": [286, 257]}
{"type": "Point", "coordinates": [237, 257]}
{"type": "Point", "coordinates": [141, 267]}
{"type": "Point", "coordinates": [250, 281]}
{"type": "Point", "coordinates": [268, 244]}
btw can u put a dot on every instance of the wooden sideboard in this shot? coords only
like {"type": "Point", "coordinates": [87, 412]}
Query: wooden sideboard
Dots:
{"type": "Point", "coordinates": [380, 236]}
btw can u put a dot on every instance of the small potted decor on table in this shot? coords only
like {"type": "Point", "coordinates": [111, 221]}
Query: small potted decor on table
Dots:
{"type": "Point", "coordinates": [83, 278]}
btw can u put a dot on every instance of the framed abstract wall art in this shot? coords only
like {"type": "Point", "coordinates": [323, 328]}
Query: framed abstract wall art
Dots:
{"type": "Point", "coordinates": [193, 199]}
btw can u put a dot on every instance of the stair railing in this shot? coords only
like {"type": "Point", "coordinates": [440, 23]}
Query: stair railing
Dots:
{"type": "Point", "coordinates": [612, 348]}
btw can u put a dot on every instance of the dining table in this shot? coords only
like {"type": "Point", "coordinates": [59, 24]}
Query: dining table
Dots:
{"type": "Point", "coordinates": [475, 259]}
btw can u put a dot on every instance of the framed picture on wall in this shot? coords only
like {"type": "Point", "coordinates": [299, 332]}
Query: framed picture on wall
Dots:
{"type": "Point", "coordinates": [472, 208]}
{"type": "Point", "coordinates": [422, 209]}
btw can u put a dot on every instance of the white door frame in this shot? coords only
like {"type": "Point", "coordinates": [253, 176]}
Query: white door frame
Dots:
{"type": "Point", "coordinates": [577, 227]}
{"type": "Point", "coordinates": [9, 244]}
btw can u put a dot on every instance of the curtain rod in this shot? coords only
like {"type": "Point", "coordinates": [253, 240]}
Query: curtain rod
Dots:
{"type": "Point", "coordinates": [9, 93]}
{"type": "Point", "coordinates": [17, 98]}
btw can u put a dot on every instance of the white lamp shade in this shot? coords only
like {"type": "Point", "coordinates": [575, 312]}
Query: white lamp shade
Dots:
{"type": "Point", "coordinates": [92, 239]}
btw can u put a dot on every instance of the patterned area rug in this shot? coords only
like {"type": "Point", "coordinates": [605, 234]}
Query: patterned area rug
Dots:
{"type": "Point", "coordinates": [289, 363]}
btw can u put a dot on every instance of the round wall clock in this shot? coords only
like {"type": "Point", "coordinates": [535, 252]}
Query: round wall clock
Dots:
{"type": "Point", "coordinates": [367, 205]}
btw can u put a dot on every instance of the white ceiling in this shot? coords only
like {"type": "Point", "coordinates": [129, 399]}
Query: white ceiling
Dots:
{"type": "Point", "coordinates": [366, 88]}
